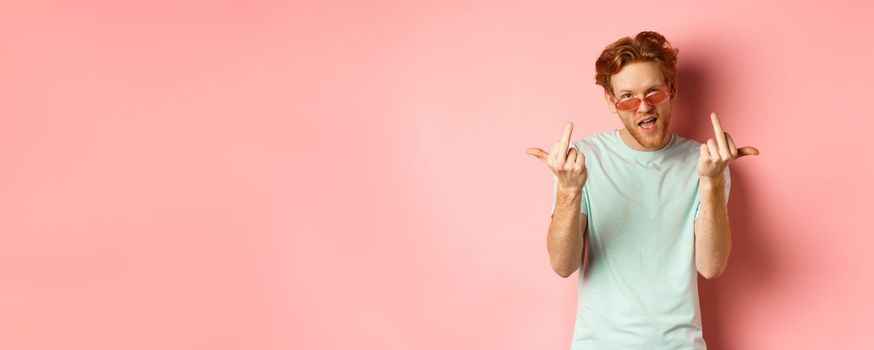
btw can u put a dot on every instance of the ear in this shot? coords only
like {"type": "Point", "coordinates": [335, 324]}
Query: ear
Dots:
{"type": "Point", "coordinates": [609, 102]}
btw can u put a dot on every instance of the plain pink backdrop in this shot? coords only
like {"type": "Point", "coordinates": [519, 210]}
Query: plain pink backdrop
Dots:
{"type": "Point", "coordinates": [352, 175]}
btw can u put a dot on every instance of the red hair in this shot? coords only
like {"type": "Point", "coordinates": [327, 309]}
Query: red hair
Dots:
{"type": "Point", "coordinates": [645, 47]}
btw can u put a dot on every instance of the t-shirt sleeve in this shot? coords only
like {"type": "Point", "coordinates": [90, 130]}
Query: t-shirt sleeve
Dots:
{"type": "Point", "coordinates": [727, 191]}
{"type": "Point", "coordinates": [583, 208]}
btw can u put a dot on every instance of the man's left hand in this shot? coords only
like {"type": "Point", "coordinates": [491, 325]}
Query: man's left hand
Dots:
{"type": "Point", "coordinates": [715, 155]}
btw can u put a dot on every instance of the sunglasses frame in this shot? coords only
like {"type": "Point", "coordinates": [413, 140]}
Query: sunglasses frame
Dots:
{"type": "Point", "coordinates": [638, 100]}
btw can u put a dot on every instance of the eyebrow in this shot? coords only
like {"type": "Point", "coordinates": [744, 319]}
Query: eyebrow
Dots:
{"type": "Point", "coordinates": [652, 85]}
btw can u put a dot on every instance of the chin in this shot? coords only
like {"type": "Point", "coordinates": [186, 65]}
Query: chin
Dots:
{"type": "Point", "coordinates": [649, 140]}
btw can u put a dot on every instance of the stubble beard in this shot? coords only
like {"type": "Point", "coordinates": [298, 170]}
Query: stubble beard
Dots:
{"type": "Point", "coordinates": [650, 142]}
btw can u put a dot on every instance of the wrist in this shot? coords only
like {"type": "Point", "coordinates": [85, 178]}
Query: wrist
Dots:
{"type": "Point", "coordinates": [569, 190]}
{"type": "Point", "coordinates": [708, 182]}
{"type": "Point", "coordinates": [568, 198]}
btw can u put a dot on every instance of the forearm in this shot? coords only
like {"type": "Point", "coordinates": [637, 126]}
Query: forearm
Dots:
{"type": "Point", "coordinates": [565, 237]}
{"type": "Point", "coordinates": [712, 230]}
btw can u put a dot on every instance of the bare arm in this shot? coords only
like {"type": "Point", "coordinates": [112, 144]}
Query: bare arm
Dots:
{"type": "Point", "coordinates": [566, 238]}
{"type": "Point", "coordinates": [712, 229]}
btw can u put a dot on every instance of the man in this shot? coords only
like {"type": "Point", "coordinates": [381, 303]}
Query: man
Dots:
{"type": "Point", "coordinates": [639, 210]}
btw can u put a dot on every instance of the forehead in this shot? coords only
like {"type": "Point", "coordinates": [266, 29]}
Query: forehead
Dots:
{"type": "Point", "coordinates": [636, 77]}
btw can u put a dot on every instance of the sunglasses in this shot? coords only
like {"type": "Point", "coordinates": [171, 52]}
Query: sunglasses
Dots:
{"type": "Point", "coordinates": [654, 98]}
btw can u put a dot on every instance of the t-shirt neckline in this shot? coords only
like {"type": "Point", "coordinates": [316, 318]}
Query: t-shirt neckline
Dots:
{"type": "Point", "coordinates": [642, 155]}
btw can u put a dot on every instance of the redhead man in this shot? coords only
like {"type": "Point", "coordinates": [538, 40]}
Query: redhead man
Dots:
{"type": "Point", "coordinates": [640, 210]}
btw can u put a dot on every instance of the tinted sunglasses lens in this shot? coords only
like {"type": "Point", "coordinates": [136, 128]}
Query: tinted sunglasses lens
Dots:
{"type": "Point", "coordinates": [628, 104]}
{"type": "Point", "coordinates": [657, 97]}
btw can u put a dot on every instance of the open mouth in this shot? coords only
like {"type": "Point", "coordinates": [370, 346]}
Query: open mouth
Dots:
{"type": "Point", "coordinates": [648, 124]}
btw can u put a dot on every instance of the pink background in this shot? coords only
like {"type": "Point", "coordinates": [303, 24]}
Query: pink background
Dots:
{"type": "Point", "coordinates": [327, 175]}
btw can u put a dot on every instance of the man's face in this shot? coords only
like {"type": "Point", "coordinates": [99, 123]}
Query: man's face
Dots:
{"type": "Point", "coordinates": [638, 80]}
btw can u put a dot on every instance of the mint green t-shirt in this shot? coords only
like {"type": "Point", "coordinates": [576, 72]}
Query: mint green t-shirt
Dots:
{"type": "Point", "coordinates": [639, 288]}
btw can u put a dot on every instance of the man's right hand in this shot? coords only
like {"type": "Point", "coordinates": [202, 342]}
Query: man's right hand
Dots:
{"type": "Point", "coordinates": [569, 165]}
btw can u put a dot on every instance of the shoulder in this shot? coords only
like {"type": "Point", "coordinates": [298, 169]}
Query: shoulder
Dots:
{"type": "Point", "coordinates": [685, 147]}
{"type": "Point", "coordinates": [689, 150]}
{"type": "Point", "coordinates": [594, 142]}
{"type": "Point", "coordinates": [686, 143]}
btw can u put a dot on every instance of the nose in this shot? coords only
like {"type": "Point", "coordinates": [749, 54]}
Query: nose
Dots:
{"type": "Point", "coordinates": [644, 107]}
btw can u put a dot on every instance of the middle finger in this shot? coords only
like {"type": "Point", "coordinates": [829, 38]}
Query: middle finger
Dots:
{"type": "Point", "coordinates": [720, 137]}
{"type": "Point", "coordinates": [565, 140]}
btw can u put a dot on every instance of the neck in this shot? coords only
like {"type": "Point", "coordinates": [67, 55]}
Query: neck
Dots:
{"type": "Point", "coordinates": [629, 140]}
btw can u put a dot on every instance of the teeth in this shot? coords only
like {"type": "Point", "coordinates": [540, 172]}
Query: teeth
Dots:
{"type": "Point", "coordinates": [647, 120]}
